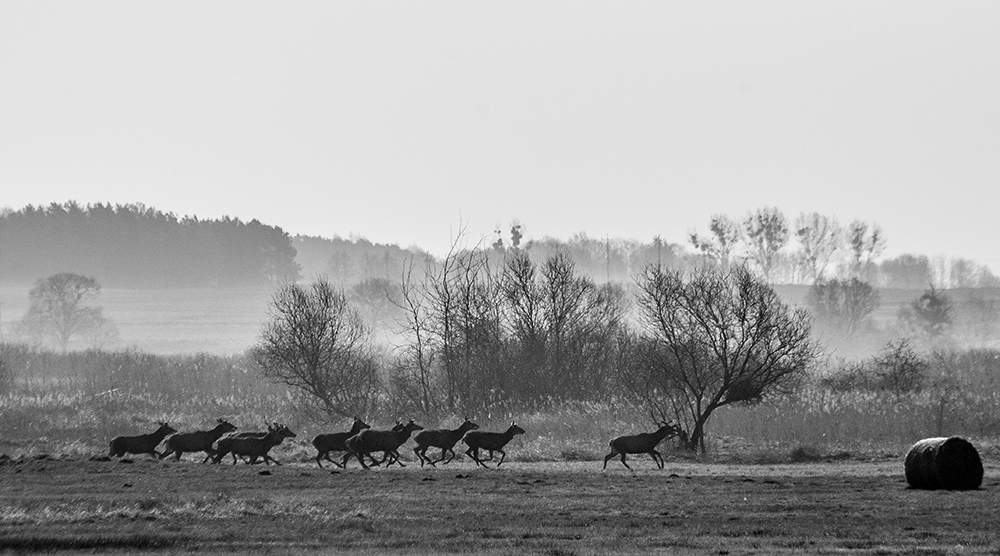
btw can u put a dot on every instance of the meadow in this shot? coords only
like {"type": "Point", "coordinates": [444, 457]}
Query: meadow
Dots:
{"type": "Point", "coordinates": [220, 321]}
{"type": "Point", "coordinates": [819, 472]}
{"type": "Point", "coordinates": [81, 505]}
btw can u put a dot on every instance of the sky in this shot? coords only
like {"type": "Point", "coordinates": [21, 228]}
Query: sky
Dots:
{"type": "Point", "coordinates": [413, 122]}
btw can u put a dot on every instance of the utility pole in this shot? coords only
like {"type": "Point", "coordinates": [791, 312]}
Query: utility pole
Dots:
{"type": "Point", "coordinates": [607, 257]}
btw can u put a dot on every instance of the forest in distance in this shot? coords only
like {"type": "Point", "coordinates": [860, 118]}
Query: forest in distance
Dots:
{"type": "Point", "coordinates": [138, 247]}
{"type": "Point", "coordinates": [188, 285]}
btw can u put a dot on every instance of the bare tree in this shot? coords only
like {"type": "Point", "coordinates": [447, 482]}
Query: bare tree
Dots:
{"type": "Point", "coordinates": [766, 233]}
{"type": "Point", "coordinates": [377, 300]}
{"type": "Point", "coordinates": [718, 337]}
{"type": "Point", "coordinates": [842, 306]}
{"type": "Point", "coordinates": [316, 343]}
{"type": "Point", "coordinates": [929, 316]}
{"type": "Point", "coordinates": [57, 308]}
{"type": "Point", "coordinates": [820, 238]}
{"type": "Point", "coordinates": [413, 369]}
{"type": "Point", "coordinates": [719, 246]}
{"type": "Point", "coordinates": [866, 243]}
{"type": "Point", "coordinates": [523, 303]}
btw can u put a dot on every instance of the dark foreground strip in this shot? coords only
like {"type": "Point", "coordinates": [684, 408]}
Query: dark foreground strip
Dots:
{"type": "Point", "coordinates": [46, 544]}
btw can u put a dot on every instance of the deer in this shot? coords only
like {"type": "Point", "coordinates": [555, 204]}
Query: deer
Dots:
{"type": "Point", "coordinates": [245, 434]}
{"type": "Point", "coordinates": [491, 441]}
{"type": "Point", "coordinates": [141, 444]}
{"type": "Point", "coordinates": [197, 441]}
{"type": "Point", "coordinates": [644, 443]}
{"type": "Point", "coordinates": [444, 439]}
{"type": "Point", "coordinates": [335, 442]}
{"type": "Point", "coordinates": [368, 441]}
{"type": "Point", "coordinates": [387, 455]}
{"type": "Point", "coordinates": [252, 447]}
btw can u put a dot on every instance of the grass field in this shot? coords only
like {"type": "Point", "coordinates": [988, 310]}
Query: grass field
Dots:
{"type": "Point", "coordinates": [221, 321]}
{"type": "Point", "coordinates": [855, 507]}
{"type": "Point", "coordinates": [226, 321]}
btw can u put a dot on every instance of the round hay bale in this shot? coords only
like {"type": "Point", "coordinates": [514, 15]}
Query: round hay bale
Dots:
{"type": "Point", "coordinates": [948, 463]}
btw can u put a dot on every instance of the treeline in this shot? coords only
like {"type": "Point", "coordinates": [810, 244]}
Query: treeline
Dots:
{"type": "Point", "coordinates": [136, 246]}
{"type": "Point", "coordinates": [141, 247]}
{"type": "Point", "coordinates": [803, 251]}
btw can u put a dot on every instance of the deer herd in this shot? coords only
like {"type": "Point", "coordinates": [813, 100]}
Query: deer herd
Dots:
{"type": "Point", "coordinates": [361, 442]}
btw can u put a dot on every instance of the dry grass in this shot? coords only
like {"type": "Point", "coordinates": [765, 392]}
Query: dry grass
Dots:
{"type": "Point", "coordinates": [530, 508]}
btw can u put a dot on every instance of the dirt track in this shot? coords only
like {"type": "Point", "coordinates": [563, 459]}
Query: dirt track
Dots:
{"type": "Point", "coordinates": [547, 508]}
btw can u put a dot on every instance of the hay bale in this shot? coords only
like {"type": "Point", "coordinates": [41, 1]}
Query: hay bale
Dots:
{"type": "Point", "coordinates": [948, 463]}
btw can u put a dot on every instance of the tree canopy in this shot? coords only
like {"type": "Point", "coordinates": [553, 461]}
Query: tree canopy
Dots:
{"type": "Point", "coordinates": [136, 246]}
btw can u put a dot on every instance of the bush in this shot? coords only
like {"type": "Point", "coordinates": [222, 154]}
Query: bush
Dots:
{"type": "Point", "coordinates": [897, 368]}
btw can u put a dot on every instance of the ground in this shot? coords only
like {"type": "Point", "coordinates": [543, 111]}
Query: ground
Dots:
{"type": "Point", "coordinates": [856, 507]}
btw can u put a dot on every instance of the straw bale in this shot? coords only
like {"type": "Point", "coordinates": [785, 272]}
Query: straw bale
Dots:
{"type": "Point", "coordinates": [948, 463]}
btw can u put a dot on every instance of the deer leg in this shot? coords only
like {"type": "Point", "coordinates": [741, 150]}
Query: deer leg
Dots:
{"type": "Point", "coordinates": [608, 457]}
{"type": "Point", "coordinates": [624, 463]}
{"type": "Point", "coordinates": [474, 454]}
{"type": "Point", "coordinates": [658, 459]}
{"type": "Point", "coordinates": [502, 456]}
{"type": "Point", "coordinates": [361, 459]}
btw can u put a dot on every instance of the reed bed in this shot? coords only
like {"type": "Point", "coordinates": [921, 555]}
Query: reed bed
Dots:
{"type": "Point", "coordinates": [74, 403]}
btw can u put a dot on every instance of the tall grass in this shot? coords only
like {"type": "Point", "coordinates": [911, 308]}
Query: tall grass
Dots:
{"type": "Point", "coordinates": [869, 422]}
{"type": "Point", "coordinates": [74, 403]}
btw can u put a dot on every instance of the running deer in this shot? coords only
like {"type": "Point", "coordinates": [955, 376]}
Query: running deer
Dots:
{"type": "Point", "coordinates": [644, 443]}
{"type": "Point", "coordinates": [365, 442]}
{"type": "Point", "coordinates": [245, 434]}
{"type": "Point", "coordinates": [444, 439]}
{"type": "Point", "coordinates": [197, 441]}
{"type": "Point", "coordinates": [252, 447]}
{"type": "Point", "coordinates": [491, 441]}
{"type": "Point", "coordinates": [387, 455]}
{"type": "Point", "coordinates": [335, 442]}
{"type": "Point", "coordinates": [141, 444]}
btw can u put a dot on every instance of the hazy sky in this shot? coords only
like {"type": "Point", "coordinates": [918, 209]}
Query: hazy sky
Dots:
{"type": "Point", "coordinates": [401, 121]}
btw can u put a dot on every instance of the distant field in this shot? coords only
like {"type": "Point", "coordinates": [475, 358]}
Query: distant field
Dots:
{"type": "Point", "coordinates": [225, 321]}
{"type": "Point", "coordinates": [222, 321]}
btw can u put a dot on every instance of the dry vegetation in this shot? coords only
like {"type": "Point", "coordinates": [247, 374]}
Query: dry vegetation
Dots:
{"type": "Point", "coordinates": [820, 472]}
